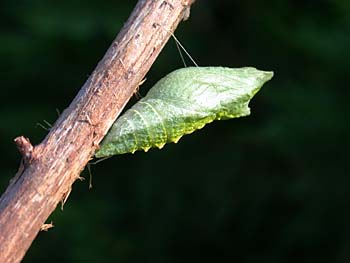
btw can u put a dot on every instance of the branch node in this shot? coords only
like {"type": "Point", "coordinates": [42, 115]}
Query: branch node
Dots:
{"type": "Point", "coordinates": [25, 148]}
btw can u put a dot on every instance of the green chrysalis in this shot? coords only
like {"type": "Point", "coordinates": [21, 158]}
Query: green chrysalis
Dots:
{"type": "Point", "coordinates": [180, 103]}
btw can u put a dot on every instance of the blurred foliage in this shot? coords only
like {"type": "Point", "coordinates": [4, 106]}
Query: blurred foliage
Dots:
{"type": "Point", "coordinates": [272, 187]}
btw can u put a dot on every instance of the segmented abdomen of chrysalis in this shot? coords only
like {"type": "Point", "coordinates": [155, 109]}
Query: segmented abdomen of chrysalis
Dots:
{"type": "Point", "coordinates": [180, 103]}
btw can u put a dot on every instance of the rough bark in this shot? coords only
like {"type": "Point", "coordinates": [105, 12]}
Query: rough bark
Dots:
{"type": "Point", "coordinates": [49, 169]}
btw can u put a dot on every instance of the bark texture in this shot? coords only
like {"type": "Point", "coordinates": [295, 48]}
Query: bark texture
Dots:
{"type": "Point", "coordinates": [49, 169]}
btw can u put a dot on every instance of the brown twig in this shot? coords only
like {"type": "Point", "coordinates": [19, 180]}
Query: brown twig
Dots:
{"type": "Point", "coordinates": [25, 148]}
{"type": "Point", "coordinates": [50, 168]}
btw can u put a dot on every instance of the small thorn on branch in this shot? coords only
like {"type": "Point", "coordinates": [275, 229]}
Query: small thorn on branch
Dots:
{"type": "Point", "coordinates": [46, 227]}
{"type": "Point", "coordinates": [25, 148]}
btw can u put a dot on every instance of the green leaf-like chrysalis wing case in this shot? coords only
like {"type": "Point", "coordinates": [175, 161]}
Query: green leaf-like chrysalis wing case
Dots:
{"type": "Point", "coordinates": [180, 103]}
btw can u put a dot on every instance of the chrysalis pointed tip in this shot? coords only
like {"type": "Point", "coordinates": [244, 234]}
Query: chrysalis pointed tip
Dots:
{"type": "Point", "coordinates": [177, 139]}
{"type": "Point", "coordinates": [160, 146]}
{"type": "Point", "coordinates": [146, 149]}
{"type": "Point", "coordinates": [266, 75]}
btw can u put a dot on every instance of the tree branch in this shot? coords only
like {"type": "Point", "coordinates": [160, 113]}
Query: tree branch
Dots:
{"type": "Point", "coordinates": [49, 169]}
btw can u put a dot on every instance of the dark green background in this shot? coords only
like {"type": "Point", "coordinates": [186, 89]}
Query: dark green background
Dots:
{"type": "Point", "coordinates": [272, 187]}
